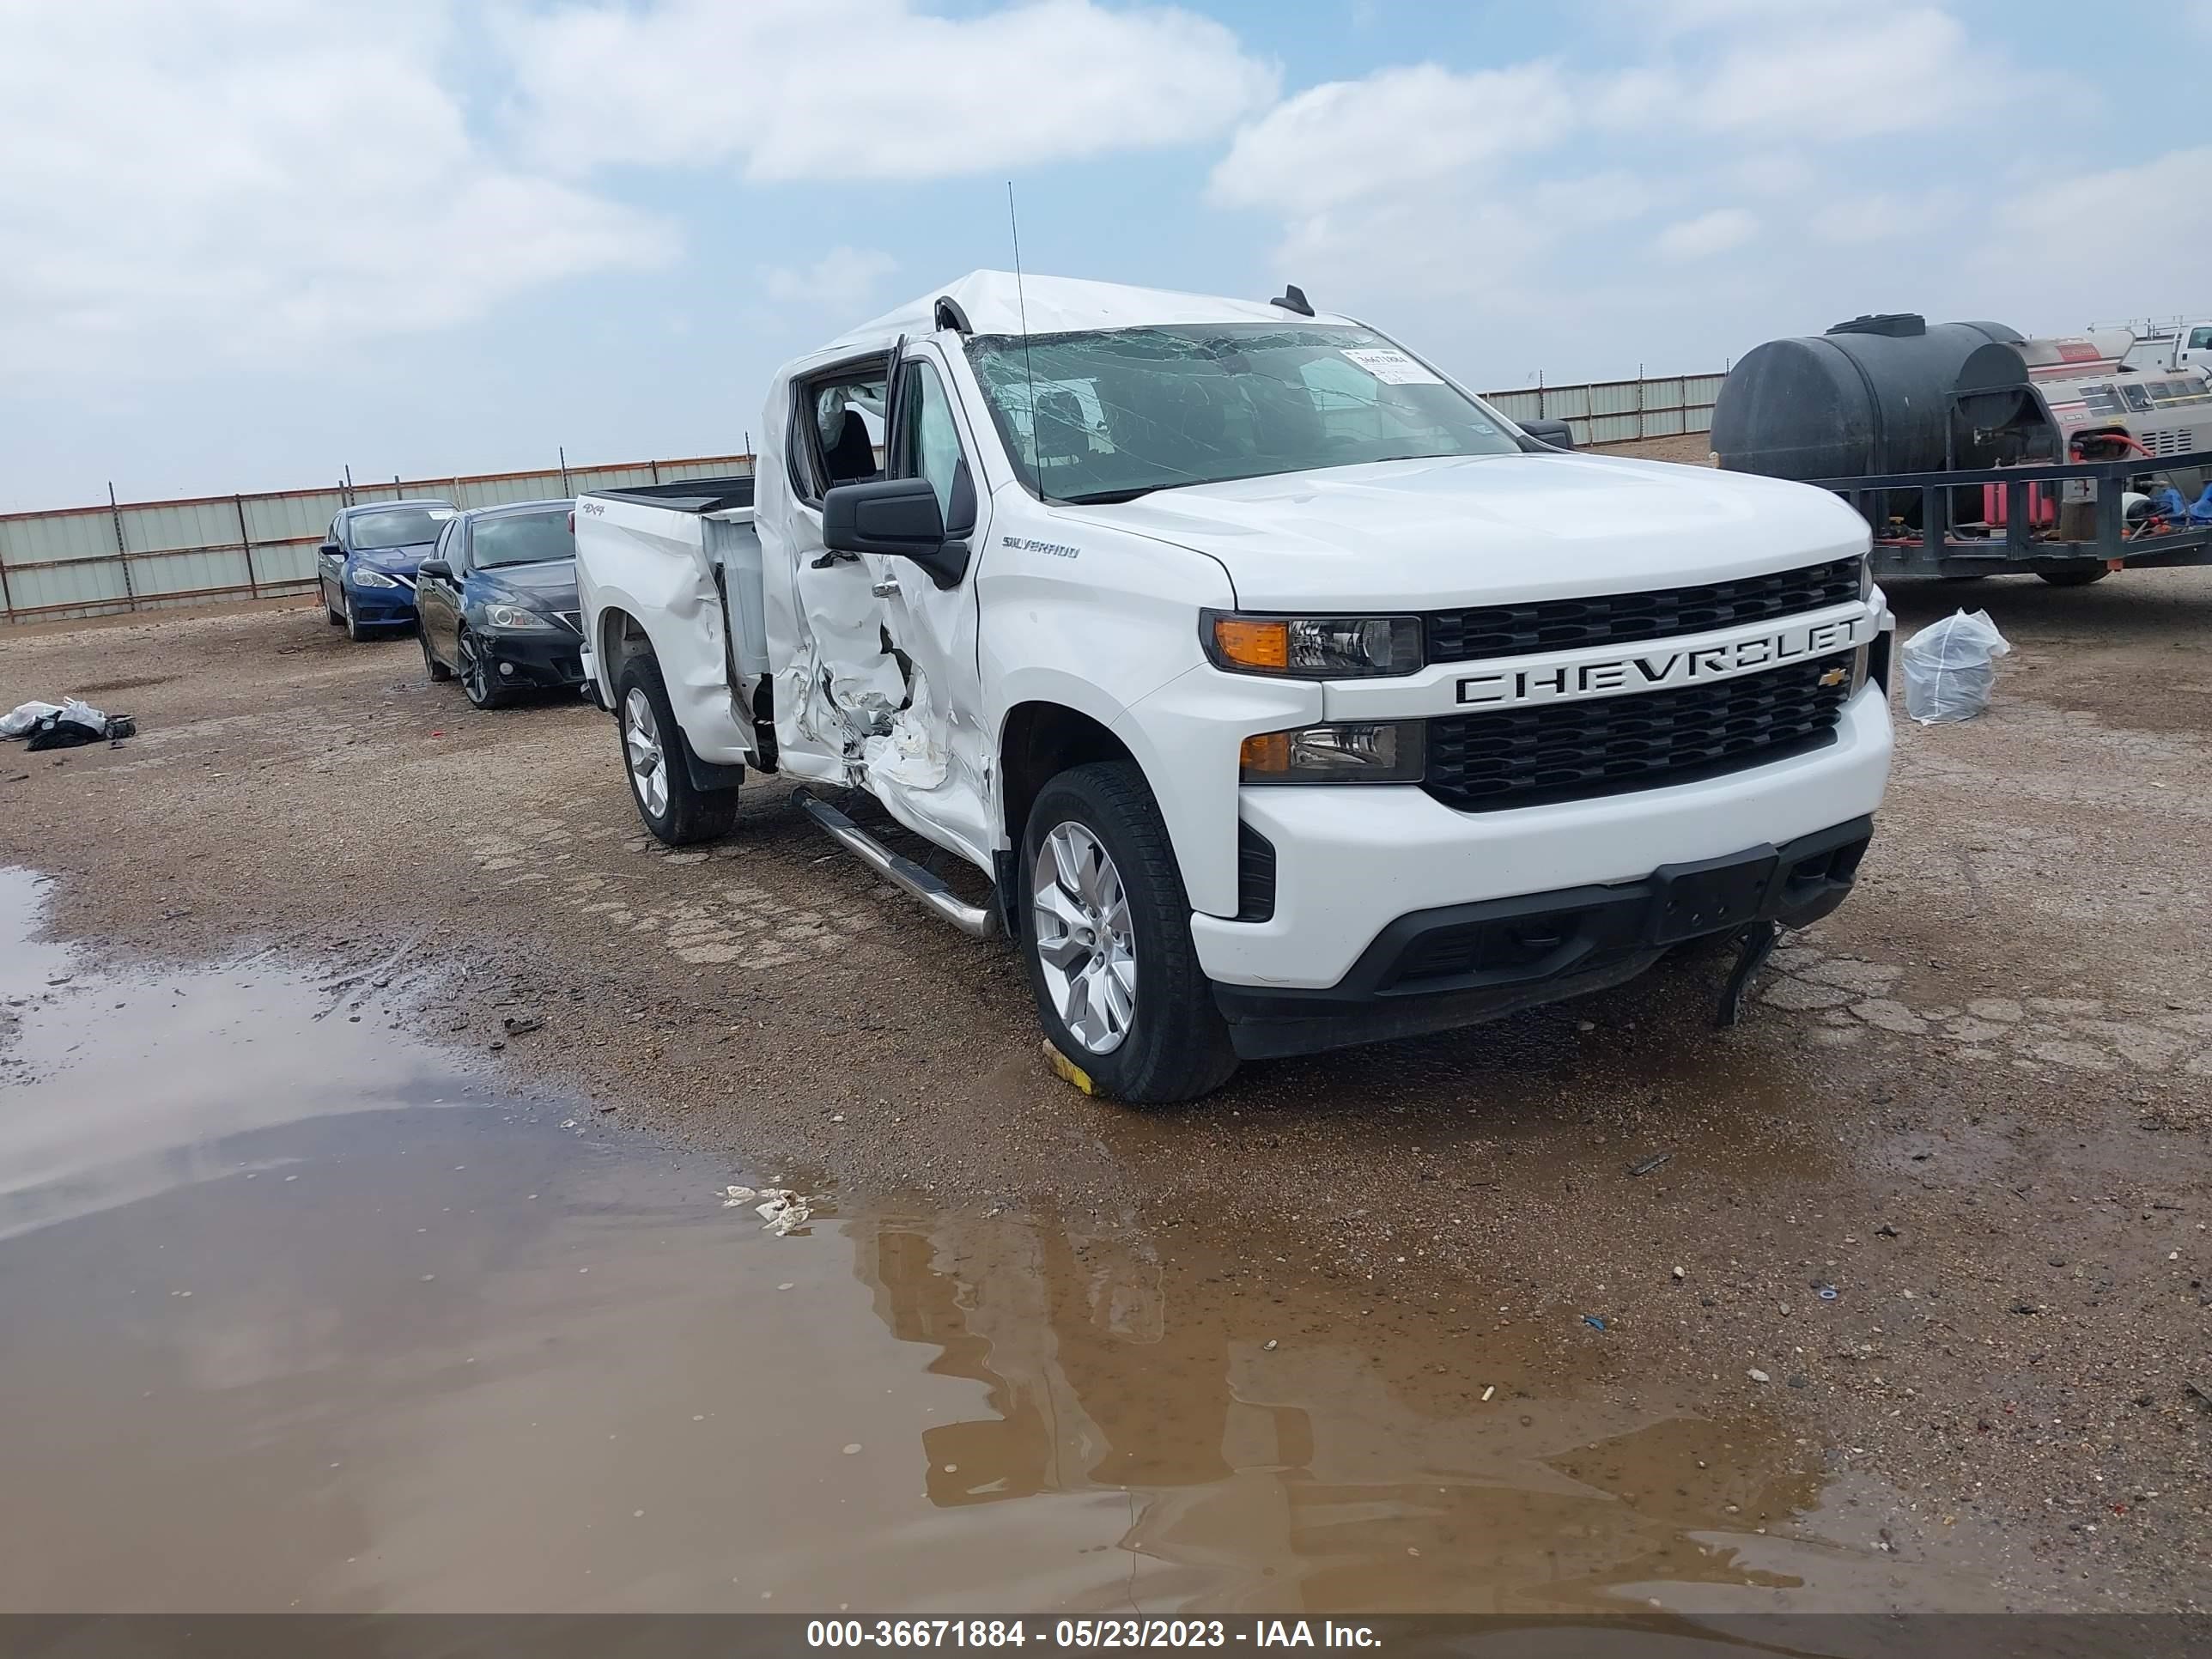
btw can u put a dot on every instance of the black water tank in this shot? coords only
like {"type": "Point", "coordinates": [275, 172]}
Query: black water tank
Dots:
{"type": "Point", "coordinates": [1870, 395]}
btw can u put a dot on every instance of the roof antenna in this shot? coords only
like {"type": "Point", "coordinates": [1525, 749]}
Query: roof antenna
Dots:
{"type": "Point", "coordinates": [1029, 372]}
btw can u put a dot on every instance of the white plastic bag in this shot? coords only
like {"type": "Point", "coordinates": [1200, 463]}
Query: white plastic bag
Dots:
{"type": "Point", "coordinates": [1950, 667]}
{"type": "Point", "coordinates": [18, 722]}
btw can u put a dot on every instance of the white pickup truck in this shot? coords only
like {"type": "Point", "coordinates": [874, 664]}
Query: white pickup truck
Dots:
{"type": "Point", "coordinates": [1282, 694]}
{"type": "Point", "coordinates": [2192, 347]}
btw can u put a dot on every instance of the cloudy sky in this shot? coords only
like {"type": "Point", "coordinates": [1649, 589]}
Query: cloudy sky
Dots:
{"type": "Point", "coordinates": [244, 243]}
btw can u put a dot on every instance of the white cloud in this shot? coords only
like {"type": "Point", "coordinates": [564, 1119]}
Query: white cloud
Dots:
{"type": "Point", "coordinates": [2020, 261]}
{"type": "Point", "coordinates": [1708, 233]}
{"type": "Point", "coordinates": [1414, 179]}
{"type": "Point", "coordinates": [841, 280]}
{"type": "Point", "coordinates": [1815, 80]}
{"type": "Point", "coordinates": [1770, 172]}
{"type": "Point", "coordinates": [1864, 218]}
{"type": "Point", "coordinates": [1709, 168]}
{"type": "Point", "coordinates": [791, 89]}
{"type": "Point", "coordinates": [188, 186]}
{"type": "Point", "coordinates": [1393, 131]}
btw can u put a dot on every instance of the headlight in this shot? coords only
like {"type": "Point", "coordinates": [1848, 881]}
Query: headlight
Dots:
{"type": "Point", "coordinates": [1312, 647]}
{"type": "Point", "coordinates": [1866, 575]}
{"type": "Point", "coordinates": [1357, 751]}
{"type": "Point", "coordinates": [373, 579]}
{"type": "Point", "coordinates": [513, 616]}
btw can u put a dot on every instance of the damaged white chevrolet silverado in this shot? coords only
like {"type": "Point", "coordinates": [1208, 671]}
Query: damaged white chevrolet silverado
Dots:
{"type": "Point", "coordinates": [1286, 694]}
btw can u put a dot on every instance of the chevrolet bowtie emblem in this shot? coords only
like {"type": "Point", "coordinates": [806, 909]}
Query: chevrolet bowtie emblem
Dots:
{"type": "Point", "coordinates": [1833, 676]}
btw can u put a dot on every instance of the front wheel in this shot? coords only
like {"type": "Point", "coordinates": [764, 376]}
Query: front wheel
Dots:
{"type": "Point", "coordinates": [659, 762]}
{"type": "Point", "coordinates": [1106, 939]}
{"type": "Point", "coordinates": [353, 628]}
{"type": "Point", "coordinates": [431, 666]}
{"type": "Point", "coordinates": [476, 679]}
{"type": "Point", "coordinates": [2074, 577]}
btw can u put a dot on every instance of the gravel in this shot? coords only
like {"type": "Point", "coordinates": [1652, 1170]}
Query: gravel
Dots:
{"type": "Point", "coordinates": [1991, 1114]}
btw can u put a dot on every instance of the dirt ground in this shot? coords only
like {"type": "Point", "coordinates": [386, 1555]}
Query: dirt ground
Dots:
{"type": "Point", "coordinates": [1974, 1104]}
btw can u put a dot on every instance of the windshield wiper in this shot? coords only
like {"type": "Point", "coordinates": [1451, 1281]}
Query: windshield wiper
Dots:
{"type": "Point", "coordinates": [1103, 497]}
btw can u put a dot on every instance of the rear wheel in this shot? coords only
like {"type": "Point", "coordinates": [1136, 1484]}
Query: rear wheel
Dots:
{"type": "Point", "coordinates": [2081, 578]}
{"type": "Point", "coordinates": [1106, 939]}
{"type": "Point", "coordinates": [431, 666]}
{"type": "Point", "coordinates": [476, 677]}
{"type": "Point", "coordinates": [657, 760]}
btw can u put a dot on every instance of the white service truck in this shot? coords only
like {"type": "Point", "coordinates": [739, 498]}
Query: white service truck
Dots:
{"type": "Point", "coordinates": [2192, 347]}
{"type": "Point", "coordinates": [1282, 694]}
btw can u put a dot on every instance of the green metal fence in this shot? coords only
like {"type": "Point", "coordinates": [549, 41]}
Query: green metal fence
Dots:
{"type": "Point", "coordinates": [141, 555]}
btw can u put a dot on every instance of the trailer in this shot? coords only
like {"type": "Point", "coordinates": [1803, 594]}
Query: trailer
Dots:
{"type": "Point", "coordinates": [2070, 525]}
{"type": "Point", "coordinates": [1972, 450]}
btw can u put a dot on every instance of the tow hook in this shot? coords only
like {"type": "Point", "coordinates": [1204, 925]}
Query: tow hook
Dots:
{"type": "Point", "coordinates": [1753, 946]}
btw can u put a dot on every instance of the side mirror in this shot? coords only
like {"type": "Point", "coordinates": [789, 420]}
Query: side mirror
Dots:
{"type": "Point", "coordinates": [436, 568]}
{"type": "Point", "coordinates": [330, 550]}
{"type": "Point", "coordinates": [1558, 434]}
{"type": "Point", "coordinates": [896, 518]}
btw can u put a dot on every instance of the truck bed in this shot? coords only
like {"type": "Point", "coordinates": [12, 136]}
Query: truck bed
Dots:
{"type": "Point", "coordinates": [689, 494]}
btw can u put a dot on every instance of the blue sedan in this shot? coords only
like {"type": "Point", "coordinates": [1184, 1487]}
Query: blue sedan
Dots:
{"type": "Point", "coordinates": [368, 561]}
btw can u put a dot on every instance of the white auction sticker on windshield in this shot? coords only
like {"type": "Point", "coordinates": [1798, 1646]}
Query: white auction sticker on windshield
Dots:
{"type": "Point", "coordinates": [1393, 367]}
{"type": "Point", "coordinates": [442, 512]}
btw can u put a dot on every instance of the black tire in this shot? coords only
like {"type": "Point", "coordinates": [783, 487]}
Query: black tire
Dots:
{"type": "Point", "coordinates": [354, 631]}
{"type": "Point", "coordinates": [476, 675]}
{"type": "Point", "coordinates": [1176, 1046]}
{"type": "Point", "coordinates": [431, 666]}
{"type": "Point", "coordinates": [2095, 573]}
{"type": "Point", "coordinates": [331, 615]}
{"type": "Point", "coordinates": [689, 814]}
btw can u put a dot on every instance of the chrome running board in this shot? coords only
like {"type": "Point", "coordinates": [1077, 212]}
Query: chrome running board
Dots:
{"type": "Point", "coordinates": [902, 873]}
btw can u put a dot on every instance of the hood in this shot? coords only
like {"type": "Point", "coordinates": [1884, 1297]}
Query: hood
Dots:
{"type": "Point", "coordinates": [1488, 529]}
{"type": "Point", "coordinates": [400, 561]}
{"type": "Point", "coordinates": [548, 587]}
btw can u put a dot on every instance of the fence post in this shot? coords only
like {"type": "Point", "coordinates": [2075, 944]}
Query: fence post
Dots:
{"type": "Point", "coordinates": [1639, 403]}
{"type": "Point", "coordinates": [1540, 394]}
{"type": "Point", "coordinates": [246, 541]}
{"type": "Point", "coordinates": [6, 600]}
{"type": "Point", "coordinates": [655, 465]}
{"type": "Point", "coordinates": [122, 553]}
{"type": "Point", "coordinates": [562, 450]}
{"type": "Point", "coordinates": [348, 484]}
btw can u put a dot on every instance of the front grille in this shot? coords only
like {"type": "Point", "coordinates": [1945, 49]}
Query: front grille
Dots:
{"type": "Point", "coordinates": [1571, 751]}
{"type": "Point", "coordinates": [1518, 631]}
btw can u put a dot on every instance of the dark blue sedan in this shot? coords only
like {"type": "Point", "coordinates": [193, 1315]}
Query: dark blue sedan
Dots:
{"type": "Point", "coordinates": [367, 560]}
{"type": "Point", "coordinates": [497, 598]}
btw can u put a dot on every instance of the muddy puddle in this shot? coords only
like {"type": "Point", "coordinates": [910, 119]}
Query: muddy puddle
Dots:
{"type": "Point", "coordinates": [299, 1313]}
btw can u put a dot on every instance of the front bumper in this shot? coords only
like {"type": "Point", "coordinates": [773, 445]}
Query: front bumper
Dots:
{"type": "Point", "coordinates": [1436, 970]}
{"type": "Point", "coordinates": [382, 607]}
{"type": "Point", "coordinates": [1350, 859]}
{"type": "Point", "coordinates": [546, 658]}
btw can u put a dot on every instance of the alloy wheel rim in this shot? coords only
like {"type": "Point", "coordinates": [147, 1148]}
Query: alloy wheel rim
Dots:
{"type": "Point", "coordinates": [1085, 940]}
{"type": "Point", "coordinates": [648, 760]}
{"type": "Point", "coordinates": [472, 669]}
